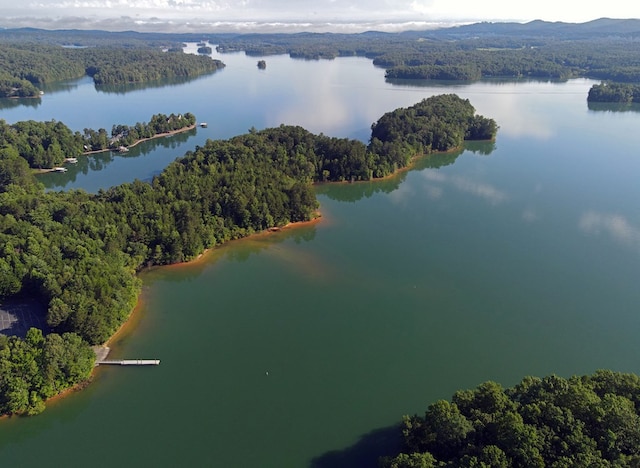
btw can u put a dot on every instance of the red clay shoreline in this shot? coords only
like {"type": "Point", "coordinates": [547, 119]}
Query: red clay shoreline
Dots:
{"type": "Point", "coordinates": [129, 324]}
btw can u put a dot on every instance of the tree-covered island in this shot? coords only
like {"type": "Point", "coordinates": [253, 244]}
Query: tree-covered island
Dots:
{"type": "Point", "coordinates": [78, 254]}
{"type": "Point", "coordinates": [588, 421]}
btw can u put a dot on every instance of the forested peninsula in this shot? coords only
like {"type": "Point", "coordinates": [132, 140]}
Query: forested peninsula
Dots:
{"type": "Point", "coordinates": [587, 421]}
{"type": "Point", "coordinates": [78, 253]}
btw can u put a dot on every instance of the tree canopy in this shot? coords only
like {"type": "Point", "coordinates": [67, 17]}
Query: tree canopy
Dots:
{"type": "Point", "coordinates": [614, 92]}
{"type": "Point", "coordinates": [47, 144]}
{"type": "Point", "coordinates": [593, 420]}
{"type": "Point", "coordinates": [39, 367]}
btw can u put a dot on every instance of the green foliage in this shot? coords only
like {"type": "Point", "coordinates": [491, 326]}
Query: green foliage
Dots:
{"type": "Point", "coordinates": [582, 421]}
{"type": "Point", "coordinates": [47, 144]}
{"type": "Point", "coordinates": [124, 135]}
{"type": "Point", "coordinates": [439, 123]}
{"type": "Point", "coordinates": [614, 92]}
{"type": "Point", "coordinates": [205, 50]}
{"type": "Point", "coordinates": [42, 144]}
{"type": "Point", "coordinates": [27, 65]}
{"type": "Point", "coordinates": [435, 72]}
{"type": "Point", "coordinates": [36, 368]}
{"type": "Point", "coordinates": [110, 66]}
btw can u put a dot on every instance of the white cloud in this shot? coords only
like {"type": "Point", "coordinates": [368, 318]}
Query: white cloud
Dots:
{"type": "Point", "coordinates": [615, 226]}
{"type": "Point", "coordinates": [484, 191]}
{"type": "Point", "coordinates": [529, 215]}
{"type": "Point", "coordinates": [406, 14]}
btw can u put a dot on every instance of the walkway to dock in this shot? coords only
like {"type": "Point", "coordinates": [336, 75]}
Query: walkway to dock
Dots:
{"type": "Point", "coordinates": [103, 351]}
{"type": "Point", "coordinates": [131, 362]}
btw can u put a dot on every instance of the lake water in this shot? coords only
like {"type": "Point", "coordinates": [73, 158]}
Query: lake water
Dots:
{"type": "Point", "coordinates": [305, 347]}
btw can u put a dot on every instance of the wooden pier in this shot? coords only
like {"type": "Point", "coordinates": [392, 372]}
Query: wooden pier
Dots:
{"type": "Point", "coordinates": [130, 362]}
{"type": "Point", "coordinates": [103, 351]}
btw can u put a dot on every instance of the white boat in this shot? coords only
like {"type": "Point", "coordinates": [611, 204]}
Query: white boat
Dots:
{"type": "Point", "coordinates": [203, 124]}
{"type": "Point", "coordinates": [60, 169]}
{"type": "Point", "coordinates": [71, 160]}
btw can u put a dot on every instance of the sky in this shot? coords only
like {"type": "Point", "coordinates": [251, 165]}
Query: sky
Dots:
{"type": "Point", "coordinates": [296, 15]}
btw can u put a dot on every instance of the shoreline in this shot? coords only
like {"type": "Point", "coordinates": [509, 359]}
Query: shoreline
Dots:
{"type": "Point", "coordinates": [267, 232]}
{"type": "Point", "coordinates": [135, 143]}
{"type": "Point", "coordinates": [129, 324]}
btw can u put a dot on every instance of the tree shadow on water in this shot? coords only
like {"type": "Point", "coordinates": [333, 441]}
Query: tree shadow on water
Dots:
{"type": "Point", "coordinates": [364, 453]}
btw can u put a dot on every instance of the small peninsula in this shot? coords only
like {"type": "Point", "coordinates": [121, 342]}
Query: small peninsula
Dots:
{"type": "Point", "coordinates": [78, 253]}
{"type": "Point", "coordinates": [589, 420]}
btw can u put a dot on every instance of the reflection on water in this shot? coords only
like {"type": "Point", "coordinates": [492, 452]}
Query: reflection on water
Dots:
{"type": "Point", "coordinates": [241, 250]}
{"type": "Point", "coordinates": [9, 103]}
{"type": "Point", "coordinates": [100, 161]}
{"type": "Point", "coordinates": [164, 83]}
{"type": "Point", "coordinates": [465, 83]}
{"type": "Point", "coordinates": [613, 106]}
{"type": "Point", "coordinates": [352, 192]}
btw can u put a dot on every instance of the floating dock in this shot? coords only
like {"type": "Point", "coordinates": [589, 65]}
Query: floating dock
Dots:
{"type": "Point", "coordinates": [130, 362]}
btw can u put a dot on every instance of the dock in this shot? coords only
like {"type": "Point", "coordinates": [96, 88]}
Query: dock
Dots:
{"type": "Point", "coordinates": [103, 351]}
{"type": "Point", "coordinates": [129, 362]}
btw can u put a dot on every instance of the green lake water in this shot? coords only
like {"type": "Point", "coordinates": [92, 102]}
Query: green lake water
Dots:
{"type": "Point", "coordinates": [306, 346]}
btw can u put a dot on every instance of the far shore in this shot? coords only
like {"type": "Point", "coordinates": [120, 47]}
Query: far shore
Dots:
{"type": "Point", "coordinates": [157, 135]}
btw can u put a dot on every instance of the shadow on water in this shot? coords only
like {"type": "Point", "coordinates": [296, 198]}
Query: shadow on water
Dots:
{"type": "Point", "coordinates": [366, 452]}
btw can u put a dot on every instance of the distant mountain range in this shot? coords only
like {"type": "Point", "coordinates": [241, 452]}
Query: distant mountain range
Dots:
{"type": "Point", "coordinates": [600, 28]}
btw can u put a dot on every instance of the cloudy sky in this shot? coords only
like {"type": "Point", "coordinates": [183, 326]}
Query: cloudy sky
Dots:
{"type": "Point", "coordinates": [336, 15]}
